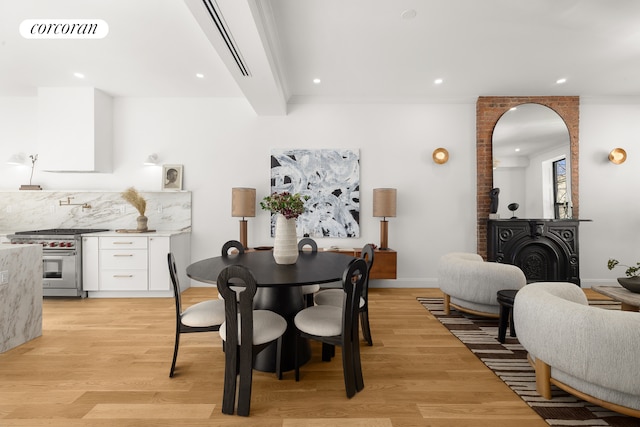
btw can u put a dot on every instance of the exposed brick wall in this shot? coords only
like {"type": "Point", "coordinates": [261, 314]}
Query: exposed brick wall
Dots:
{"type": "Point", "coordinates": [489, 109]}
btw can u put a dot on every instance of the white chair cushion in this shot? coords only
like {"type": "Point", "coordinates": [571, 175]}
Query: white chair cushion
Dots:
{"type": "Point", "coordinates": [267, 326]}
{"type": "Point", "coordinates": [310, 289]}
{"type": "Point", "coordinates": [205, 313]}
{"type": "Point", "coordinates": [236, 289]}
{"type": "Point", "coordinates": [320, 320]}
{"type": "Point", "coordinates": [333, 297]}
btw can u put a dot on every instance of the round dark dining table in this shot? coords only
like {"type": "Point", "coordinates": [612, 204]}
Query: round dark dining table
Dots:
{"type": "Point", "coordinates": [279, 290]}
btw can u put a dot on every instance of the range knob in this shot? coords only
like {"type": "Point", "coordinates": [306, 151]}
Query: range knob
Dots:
{"type": "Point", "coordinates": [52, 244]}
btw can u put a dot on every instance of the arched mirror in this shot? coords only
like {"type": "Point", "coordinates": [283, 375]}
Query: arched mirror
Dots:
{"type": "Point", "coordinates": [532, 163]}
{"type": "Point", "coordinates": [489, 110]}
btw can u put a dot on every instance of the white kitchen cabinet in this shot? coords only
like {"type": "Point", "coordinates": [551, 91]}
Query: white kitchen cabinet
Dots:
{"type": "Point", "coordinates": [125, 265]}
{"type": "Point", "coordinates": [159, 247]}
{"type": "Point", "coordinates": [74, 129]}
{"type": "Point", "coordinates": [90, 264]}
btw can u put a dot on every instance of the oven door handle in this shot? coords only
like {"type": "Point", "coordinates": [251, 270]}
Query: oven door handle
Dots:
{"type": "Point", "coordinates": [54, 253]}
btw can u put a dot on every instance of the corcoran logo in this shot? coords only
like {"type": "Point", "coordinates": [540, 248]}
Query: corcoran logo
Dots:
{"type": "Point", "coordinates": [64, 29]}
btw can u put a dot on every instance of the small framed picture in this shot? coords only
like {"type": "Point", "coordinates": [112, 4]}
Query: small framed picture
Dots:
{"type": "Point", "coordinates": [172, 177]}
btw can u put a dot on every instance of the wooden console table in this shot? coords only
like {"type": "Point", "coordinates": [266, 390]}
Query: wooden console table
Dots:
{"type": "Point", "coordinates": [385, 261]}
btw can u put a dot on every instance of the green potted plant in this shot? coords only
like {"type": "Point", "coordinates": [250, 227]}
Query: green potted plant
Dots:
{"type": "Point", "coordinates": [632, 281]}
{"type": "Point", "coordinates": [288, 206]}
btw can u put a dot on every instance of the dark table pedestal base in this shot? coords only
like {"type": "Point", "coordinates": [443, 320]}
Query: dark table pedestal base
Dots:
{"type": "Point", "coordinates": [287, 301]}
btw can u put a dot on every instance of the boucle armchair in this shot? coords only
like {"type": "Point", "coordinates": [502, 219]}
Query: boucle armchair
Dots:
{"type": "Point", "coordinates": [589, 352]}
{"type": "Point", "coordinates": [471, 285]}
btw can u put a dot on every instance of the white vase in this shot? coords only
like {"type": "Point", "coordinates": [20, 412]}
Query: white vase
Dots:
{"type": "Point", "coordinates": [285, 247]}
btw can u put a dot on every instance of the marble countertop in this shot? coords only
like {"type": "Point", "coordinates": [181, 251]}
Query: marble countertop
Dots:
{"type": "Point", "coordinates": [162, 233]}
{"type": "Point", "coordinates": [112, 233]}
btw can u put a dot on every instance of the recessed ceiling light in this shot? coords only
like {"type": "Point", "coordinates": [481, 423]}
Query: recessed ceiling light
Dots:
{"type": "Point", "coordinates": [517, 150]}
{"type": "Point", "coordinates": [79, 75]}
{"type": "Point", "coordinates": [317, 81]}
{"type": "Point", "coordinates": [438, 81]}
{"type": "Point", "coordinates": [200, 75]}
{"type": "Point", "coordinates": [561, 81]}
{"type": "Point", "coordinates": [408, 14]}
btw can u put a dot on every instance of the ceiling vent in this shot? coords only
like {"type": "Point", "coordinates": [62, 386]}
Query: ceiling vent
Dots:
{"type": "Point", "coordinates": [218, 20]}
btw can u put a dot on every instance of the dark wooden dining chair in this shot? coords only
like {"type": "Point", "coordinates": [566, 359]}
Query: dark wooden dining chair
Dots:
{"type": "Point", "coordinates": [229, 248]}
{"type": "Point", "coordinates": [335, 296]}
{"type": "Point", "coordinates": [205, 316]}
{"type": "Point", "coordinates": [232, 244]}
{"type": "Point", "coordinates": [308, 290]}
{"type": "Point", "coordinates": [337, 326]}
{"type": "Point", "coordinates": [245, 332]}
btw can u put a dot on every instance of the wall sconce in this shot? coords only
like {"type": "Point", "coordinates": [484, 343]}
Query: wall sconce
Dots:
{"type": "Point", "coordinates": [18, 159]}
{"type": "Point", "coordinates": [617, 156]}
{"type": "Point", "coordinates": [152, 160]}
{"type": "Point", "coordinates": [243, 204]}
{"type": "Point", "coordinates": [384, 205]}
{"type": "Point", "coordinates": [440, 156]}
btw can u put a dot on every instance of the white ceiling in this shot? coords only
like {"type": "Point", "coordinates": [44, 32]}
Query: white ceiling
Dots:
{"type": "Point", "coordinates": [362, 50]}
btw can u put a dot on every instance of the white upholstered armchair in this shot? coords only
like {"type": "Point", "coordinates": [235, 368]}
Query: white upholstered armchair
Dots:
{"type": "Point", "coordinates": [470, 284]}
{"type": "Point", "coordinates": [587, 351]}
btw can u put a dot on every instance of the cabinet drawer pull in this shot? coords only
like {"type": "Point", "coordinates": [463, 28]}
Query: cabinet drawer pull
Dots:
{"type": "Point", "coordinates": [127, 255]}
{"type": "Point", "coordinates": [123, 243]}
{"type": "Point", "coordinates": [120, 276]}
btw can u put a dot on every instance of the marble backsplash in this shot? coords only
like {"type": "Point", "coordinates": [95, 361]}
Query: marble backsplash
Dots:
{"type": "Point", "coordinates": [33, 210]}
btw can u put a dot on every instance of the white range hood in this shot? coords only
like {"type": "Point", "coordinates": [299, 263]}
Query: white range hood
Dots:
{"type": "Point", "coordinates": [75, 126]}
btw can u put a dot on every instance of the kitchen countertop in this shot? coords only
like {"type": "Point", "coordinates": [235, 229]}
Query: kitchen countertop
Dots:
{"type": "Point", "coordinates": [161, 233]}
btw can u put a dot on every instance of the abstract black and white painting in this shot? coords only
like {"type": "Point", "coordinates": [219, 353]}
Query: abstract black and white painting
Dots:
{"type": "Point", "coordinates": [331, 179]}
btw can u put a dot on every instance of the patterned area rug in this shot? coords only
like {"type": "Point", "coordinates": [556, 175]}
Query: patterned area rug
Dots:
{"type": "Point", "coordinates": [509, 362]}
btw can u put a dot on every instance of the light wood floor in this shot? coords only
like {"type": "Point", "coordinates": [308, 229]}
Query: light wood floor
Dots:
{"type": "Point", "coordinates": [105, 362]}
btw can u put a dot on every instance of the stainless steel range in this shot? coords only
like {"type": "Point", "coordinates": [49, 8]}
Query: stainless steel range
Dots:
{"type": "Point", "coordinates": [61, 258]}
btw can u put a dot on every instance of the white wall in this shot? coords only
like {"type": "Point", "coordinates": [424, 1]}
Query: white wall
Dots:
{"type": "Point", "coordinates": [609, 194]}
{"type": "Point", "coordinates": [223, 144]}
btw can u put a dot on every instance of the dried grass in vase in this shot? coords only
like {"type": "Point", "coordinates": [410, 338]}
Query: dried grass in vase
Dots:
{"type": "Point", "coordinates": [132, 196]}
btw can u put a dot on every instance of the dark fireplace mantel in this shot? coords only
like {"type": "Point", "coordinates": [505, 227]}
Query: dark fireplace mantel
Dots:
{"type": "Point", "coordinates": [545, 249]}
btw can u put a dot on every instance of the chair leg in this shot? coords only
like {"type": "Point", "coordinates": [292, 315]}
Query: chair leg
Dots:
{"type": "Point", "coordinates": [246, 377]}
{"type": "Point", "coordinates": [328, 351]}
{"type": "Point", "coordinates": [230, 377]}
{"type": "Point", "coordinates": [447, 306]}
{"type": "Point", "coordinates": [357, 366]}
{"type": "Point", "coordinates": [366, 330]}
{"type": "Point", "coordinates": [175, 353]}
{"type": "Point", "coordinates": [296, 356]}
{"type": "Point", "coordinates": [279, 358]}
{"type": "Point", "coordinates": [348, 369]}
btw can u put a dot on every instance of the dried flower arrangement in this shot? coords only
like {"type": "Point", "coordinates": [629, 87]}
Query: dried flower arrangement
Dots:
{"type": "Point", "coordinates": [132, 196]}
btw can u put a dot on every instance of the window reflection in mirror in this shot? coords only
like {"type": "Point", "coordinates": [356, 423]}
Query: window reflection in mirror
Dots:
{"type": "Point", "coordinates": [531, 154]}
